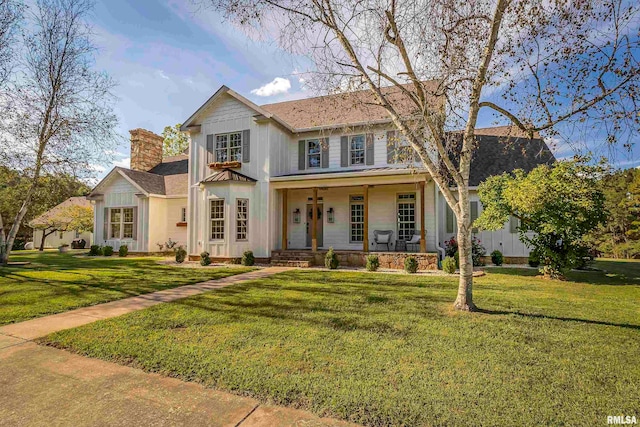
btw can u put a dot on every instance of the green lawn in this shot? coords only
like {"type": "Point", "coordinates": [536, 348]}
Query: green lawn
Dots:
{"type": "Point", "coordinates": [55, 282]}
{"type": "Point", "coordinates": [388, 350]}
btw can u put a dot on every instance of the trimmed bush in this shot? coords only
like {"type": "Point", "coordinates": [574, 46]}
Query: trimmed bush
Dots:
{"type": "Point", "coordinates": [107, 250]}
{"type": "Point", "coordinates": [331, 260]}
{"type": "Point", "coordinates": [248, 259]}
{"type": "Point", "coordinates": [181, 254]}
{"type": "Point", "coordinates": [373, 262]}
{"type": "Point", "coordinates": [449, 265]}
{"type": "Point", "coordinates": [123, 251]}
{"type": "Point", "coordinates": [95, 250]}
{"type": "Point", "coordinates": [534, 260]}
{"type": "Point", "coordinates": [410, 265]}
{"type": "Point", "coordinates": [456, 257]}
{"type": "Point", "coordinates": [496, 257]}
{"type": "Point", "coordinates": [204, 259]}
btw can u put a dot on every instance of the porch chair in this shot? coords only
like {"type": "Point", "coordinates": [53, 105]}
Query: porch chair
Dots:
{"type": "Point", "coordinates": [382, 237]}
{"type": "Point", "coordinates": [414, 241]}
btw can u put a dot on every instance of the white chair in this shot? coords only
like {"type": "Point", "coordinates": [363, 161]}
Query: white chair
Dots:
{"type": "Point", "coordinates": [382, 237]}
{"type": "Point", "coordinates": [414, 241]}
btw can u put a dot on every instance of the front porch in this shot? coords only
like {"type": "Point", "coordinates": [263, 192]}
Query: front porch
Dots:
{"type": "Point", "coordinates": [357, 215]}
{"type": "Point", "coordinates": [390, 260]}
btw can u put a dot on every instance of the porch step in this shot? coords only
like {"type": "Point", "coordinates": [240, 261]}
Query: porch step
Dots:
{"type": "Point", "coordinates": [291, 263]}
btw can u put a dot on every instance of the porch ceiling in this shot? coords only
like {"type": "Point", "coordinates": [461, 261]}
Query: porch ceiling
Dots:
{"type": "Point", "coordinates": [378, 176]}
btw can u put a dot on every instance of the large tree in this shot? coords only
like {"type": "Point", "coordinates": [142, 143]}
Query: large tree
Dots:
{"type": "Point", "coordinates": [533, 64]}
{"type": "Point", "coordinates": [60, 118]}
{"type": "Point", "coordinates": [66, 217]}
{"type": "Point", "coordinates": [175, 141]}
{"type": "Point", "coordinates": [10, 16]}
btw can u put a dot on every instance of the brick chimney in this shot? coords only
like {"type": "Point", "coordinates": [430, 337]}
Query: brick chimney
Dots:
{"type": "Point", "coordinates": [146, 149]}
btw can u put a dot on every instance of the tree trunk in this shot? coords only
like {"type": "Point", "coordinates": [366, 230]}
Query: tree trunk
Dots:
{"type": "Point", "coordinates": [464, 300]}
{"type": "Point", "coordinates": [44, 236]}
{"type": "Point", "coordinates": [4, 256]}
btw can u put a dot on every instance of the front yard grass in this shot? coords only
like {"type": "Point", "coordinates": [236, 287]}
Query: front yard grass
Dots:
{"type": "Point", "coordinates": [387, 349]}
{"type": "Point", "coordinates": [56, 282]}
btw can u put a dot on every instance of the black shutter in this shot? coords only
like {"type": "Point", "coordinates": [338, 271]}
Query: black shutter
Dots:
{"type": "Point", "coordinates": [344, 151]}
{"type": "Point", "coordinates": [324, 153]}
{"type": "Point", "coordinates": [449, 218]}
{"type": "Point", "coordinates": [135, 223]}
{"type": "Point", "coordinates": [105, 230]}
{"type": "Point", "coordinates": [302, 155]}
{"type": "Point", "coordinates": [391, 146]}
{"type": "Point", "coordinates": [246, 144]}
{"type": "Point", "coordinates": [210, 156]}
{"type": "Point", "coordinates": [473, 208]}
{"type": "Point", "coordinates": [369, 153]}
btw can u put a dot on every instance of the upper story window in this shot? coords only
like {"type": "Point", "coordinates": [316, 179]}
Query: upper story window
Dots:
{"type": "Point", "coordinates": [314, 153]}
{"type": "Point", "coordinates": [228, 147]}
{"type": "Point", "coordinates": [356, 150]}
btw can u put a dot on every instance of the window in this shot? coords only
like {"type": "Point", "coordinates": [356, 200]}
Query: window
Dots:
{"type": "Point", "coordinates": [356, 149]}
{"type": "Point", "coordinates": [217, 219]}
{"type": "Point", "coordinates": [183, 215]}
{"type": "Point", "coordinates": [406, 215]}
{"type": "Point", "coordinates": [313, 153]}
{"type": "Point", "coordinates": [228, 147]}
{"type": "Point", "coordinates": [473, 209]}
{"type": "Point", "coordinates": [356, 219]}
{"type": "Point", "coordinates": [514, 223]}
{"type": "Point", "coordinates": [62, 234]}
{"type": "Point", "coordinates": [121, 223]}
{"type": "Point", "coordinates": [242, 218]}
{"type": "Point", "coordinates": [450, 226]}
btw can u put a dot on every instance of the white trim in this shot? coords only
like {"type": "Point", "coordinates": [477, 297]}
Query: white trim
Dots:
{"type": "Point", "coordinates": [246, 239]}
{"type": "Point", "coordinates": [355, 174]}
{"type": "Point", "coordinates": [224, 220]}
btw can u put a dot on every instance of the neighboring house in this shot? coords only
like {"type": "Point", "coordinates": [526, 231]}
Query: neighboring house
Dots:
{"type": "Point", "coordinates": [256, 172]}
{"type": "Point", "coordinates": [52, 223]}
{"type": "Point", "coordinates": [146, 205]}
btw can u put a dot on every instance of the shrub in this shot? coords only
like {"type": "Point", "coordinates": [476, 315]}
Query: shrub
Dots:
{"type": "Point", "coordinates": [248, 259]}
{"type": "Point", "coordinates": [450, 247]}
{"type": "Point", "coordinates": [236, 261]}
{"type": "Point", "coordinates": [456, 258]}
{"type": "Point", "coordinates": [477, 252]}
{"type": "Point", "coordinates": [331, 259]}
{"type": "Point", "coordinates": [170, 244]}
{"type": "Point", "coordinates": [123, 251]}
{"type": "Point", "coordinates": [373, 262]}
{"type": "Point", "coordinates": [534, 259]}
{"type": "Point", "coordinates": [18, 244]}
{"type": "Point", "coordinates": [496, 257]}
{"type": "Point", "coordinates": [95, 250]}
{"type": "Point", "coordinates": [449, 265]}
{"type": "Point", "coordinates": [410, 264]}
{"type": "Point", "coordinates": [107, 250]}
{"type": "Point", "coordinates": [181, 254]}
{"type": "Point", "coordinates": [204, 259]}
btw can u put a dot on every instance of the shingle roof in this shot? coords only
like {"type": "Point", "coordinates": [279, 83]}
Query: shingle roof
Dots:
{"type": "Point", "coordinates": [345, 109]}
{"type": "Point", "coordinates": [225, 175]}
{"type": "Point", "coordinates": [495, 155]}
{"type": "Point", "coordinates": [149, 182]}
{"type": "Point", "coordinates": [51, 213]}
{"type": "Point", "coordinates": [169, 178]}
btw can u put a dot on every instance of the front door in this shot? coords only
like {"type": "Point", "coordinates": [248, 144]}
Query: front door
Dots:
{"type": "Point", "coordinates": [318, 225]}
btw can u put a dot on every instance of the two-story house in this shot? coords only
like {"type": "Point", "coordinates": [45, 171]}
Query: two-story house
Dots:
{"type": "Point", "coordinates": [291, 179]}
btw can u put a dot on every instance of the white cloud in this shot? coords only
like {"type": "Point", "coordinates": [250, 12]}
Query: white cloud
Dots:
{"type": "Point", "coordinates": [162, 74]}
{"type": "Point", "coordinates": [124, 163]}
{"type": "Point", "coordinates": [277, 86]}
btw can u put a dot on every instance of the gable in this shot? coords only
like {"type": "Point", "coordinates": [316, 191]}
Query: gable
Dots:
{"type": "Point", "coordinates": [224, 108]}
{"type": "Point", "coordinates": [119, 192]}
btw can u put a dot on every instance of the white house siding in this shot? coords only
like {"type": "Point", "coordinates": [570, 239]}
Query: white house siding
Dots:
{"type": "Point", "coordinates": [55, 240]}
{"type": "Point", "coordinates": [165, 213]}
{"type": "Point", "coordinates": [379, 152]}
{"type": "Point", "coordinates": [229, 115]}
{"type": "Point", "coordinates": [503, 240]}
{"type": "Point", "coordinates": [119, 192]}
{"type": "Point", "coordinates": [382, 214]}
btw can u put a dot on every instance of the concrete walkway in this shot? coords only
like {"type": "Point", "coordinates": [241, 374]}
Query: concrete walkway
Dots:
{"type": "Point", "coordinates": [43, 326]}
{"type": "Point", "coordinates": [44, 386]}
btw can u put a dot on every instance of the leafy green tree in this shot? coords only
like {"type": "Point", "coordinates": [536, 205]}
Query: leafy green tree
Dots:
{"type": "Point", "coordinates": [619, 236]}
{"type": "Point", "coordinates": [556, 205]}
{"type": "Point", "coordinates": [64, 218]}
{"type": "Point", "coordinates": [175, 141]}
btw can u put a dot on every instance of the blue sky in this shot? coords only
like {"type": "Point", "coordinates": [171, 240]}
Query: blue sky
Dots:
{"type": "Point", "coordinates": [168, 58]}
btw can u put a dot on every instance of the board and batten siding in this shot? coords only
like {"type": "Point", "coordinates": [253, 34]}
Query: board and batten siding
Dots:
{"type": "Point", "coordinates": [229, 115]}
{"type": "Point", "coordinates": [120, 193]}
{"type": "Point", "coordinates": [503, 240]}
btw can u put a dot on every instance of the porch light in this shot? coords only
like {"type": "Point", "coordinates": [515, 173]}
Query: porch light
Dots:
{"type": "Point", "coordinates": [296, 216]}
{"type": "Point", "coordinates": [330, 216]}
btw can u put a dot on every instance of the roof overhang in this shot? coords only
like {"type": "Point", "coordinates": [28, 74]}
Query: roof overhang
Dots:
{"type": "Point", "coordinates": [264, 114]}
{"type": "Point", "coordinates": [352, 174]}
{"type": "Point", "coordinates": [114, 172]}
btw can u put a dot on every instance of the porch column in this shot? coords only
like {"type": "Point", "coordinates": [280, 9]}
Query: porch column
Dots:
{"type": "Point", "coordinates": [314, 221]}
{"type": "Point", "coordinates": [423, 240]}
{"type": "Point", "coordinates": [365, 240]}
{"type": "Point", "coordinates": [285, 219]}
